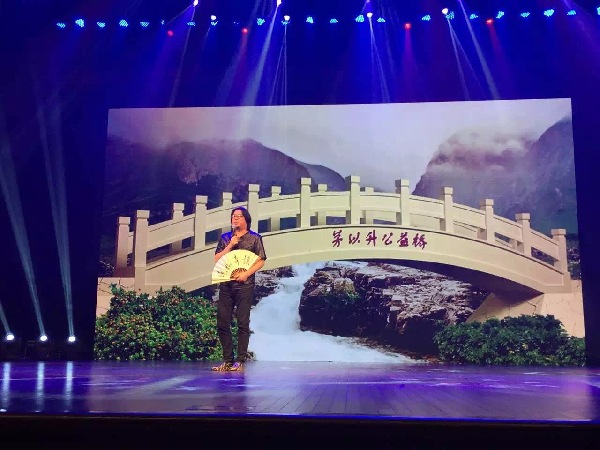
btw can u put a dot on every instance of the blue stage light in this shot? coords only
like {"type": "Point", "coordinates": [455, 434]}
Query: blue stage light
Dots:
{"type": "Point", "coordinates": [144, 24]}
{"type": "Point", "coordinates": [500, 15]}
{"type": "Point", "coordinates": [260, 21]}
{"type": "Point", "coordinates": [214, 23]}
{"type": "Point", "coordinates": [381, 20]}
{"type": "Point", "coordinates": [123, 23]}
{"type": "Point", "coordinates": [309, 19]}
{"type": "Point", "coordinates": [360, 18]}
{"type": "Point", "coordinates": [598, 10]}
{"type": "Point", "coordinates": [61, 25]}
{"type": "Point", "coordinates": [333, 21]}
{"type": "Point", "coordinates": [525, 15]}
{"type": "Point", "coordinates": [450, 15]}
{"type": "Point", "coordinates": [426, 18]}
{"type": "Point", "coordinates": [213, 18]}
{"type": "Point", "coordinates": [549, 12]}
{"type": "Point", "coordinates": [196, 2]}
{"type": "Point", "coordinates": [80, 22]}
{"type": "Point", "coordinates": [162, 22]}
{"type": "Point", "coordinates": [571, 12]}
{"type": "Point", "coordinates": [101, 24]}
{"type": "Point", "coordinates": [473, 16]}
{"type": "Point", "coordinates": [191, 24]}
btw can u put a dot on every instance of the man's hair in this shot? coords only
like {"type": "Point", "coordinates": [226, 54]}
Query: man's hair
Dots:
{"type": "Point", "coordinates": [245, 213]}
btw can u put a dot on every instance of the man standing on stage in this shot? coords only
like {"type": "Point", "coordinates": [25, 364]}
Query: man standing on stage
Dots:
{"type": "Point", "coordinates": [239, 292]}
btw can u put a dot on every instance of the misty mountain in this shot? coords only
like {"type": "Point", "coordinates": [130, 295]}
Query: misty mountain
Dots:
{"type": "Point", "coordinates": [140, 177]}
{"type": "Point", "coordinates": [521, 174]}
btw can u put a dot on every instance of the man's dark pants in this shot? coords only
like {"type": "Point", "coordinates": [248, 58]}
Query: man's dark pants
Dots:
{"type": "Point", "coordinates": [239, 295]}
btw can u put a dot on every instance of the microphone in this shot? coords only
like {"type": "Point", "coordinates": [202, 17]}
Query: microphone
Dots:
{"type": "Point", "coordinates": [233, 230]}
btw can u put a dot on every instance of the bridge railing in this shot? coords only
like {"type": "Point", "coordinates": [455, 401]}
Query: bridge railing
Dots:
{"type": "Point", "coordinates": [314, 207]}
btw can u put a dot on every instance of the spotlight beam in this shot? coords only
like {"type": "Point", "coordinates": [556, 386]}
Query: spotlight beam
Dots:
{"type": "Point", "coordinates": [486, 70]}
{"type": "Point", "coordinates": [3, 320]}
{"type": "Point", "coordinates": [177, 80]}
{"type": "Point", "coordinates": [376, 65]}
{"type": "Point", "coordinates": [280, 74]}
{"type": "Point", "coordinates": [461, 73]}
{"type": "Point", "coordinates": [55, 178]}
{"type": "Point", "coordinates": [8, 185]}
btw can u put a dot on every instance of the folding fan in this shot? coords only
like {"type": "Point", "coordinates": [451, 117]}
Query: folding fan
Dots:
{"type": "Point", "coordinates": [232, 262]}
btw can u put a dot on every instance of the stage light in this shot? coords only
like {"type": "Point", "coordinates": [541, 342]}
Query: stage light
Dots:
{"type": "Point", "coordinates": [279, 3]}
{"type": "Point", "coordinates": [571, 12]}
{"type": "Point", "coordinates": [214, 23]}
{"type": "Point", "coordinates": [80, 22]}
{"type": "Point", "coordinates": [445, 11]}
{"type": "Point", "coordinates": [260, 21]}
{"type": "Point", "coordinates": [489, 21]}
{"type": "Point", "coordinates": [369, 15]}
{"type": "Point", "coordinates": [407, 26]}
{"type": "Point", "coordinates": [245, 30]}
{"type": "Point", "coordinates": [144, 24]}
{"type": "Point", "coordinates": [333, 21]}
{"type": "Point", "coordinates": [285, 21]}
{"type": "Point", "coordinates": [598, 10]}
{"type": "Point", "coordinates": [309, 19]}
{"type": "Point", "coordinates": [9, 337]}
{"type": "Point", "coordinates": [162, 22]}
{"type": "Point", "coordinates": [71, 339]}
{"type": "Point", "coordinates": [213, 18]}
{"type": "Point", "coordinates": [61, 25]}
{"type": "Point", "coordinates": [101, 24]}
{"type": "Point", "coordinates": [525, 15]}
{"type": "Point", "coordinates": [426, 18]}
{"type": "Point", "coordinates": [286, 18]}
{"type": "Point", "coordinates": [43, 338]}
{"type": "Point", "coordinates": [191, 24]}
{"type": "Point", "coordinates": [123, 23]}
{"type": "Point", "coordinates": [473, 16]}
{"type": "Point", "coordinates": [170, 33]}
{"type": "Point", "coordinates": [500, 15]}
{"type": "Point", "coordinates": [549, 12]}
{"type": "Point", "coordinates": [360, 18]}
{"type": "Point", "coordinates": [195, 2]}
{"type": "Point", "coordinates": [381, 20]}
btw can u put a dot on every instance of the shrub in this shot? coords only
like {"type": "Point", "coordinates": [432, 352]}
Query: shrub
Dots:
{"type": "Point", "coordinates": [523, 340]}
{"type": "Point", "coordinates": [172, 325]}
{"type": "Point", "coordinates": [341, 311]}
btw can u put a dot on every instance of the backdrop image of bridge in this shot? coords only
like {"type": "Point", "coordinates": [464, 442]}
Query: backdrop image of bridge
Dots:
{"type": "Point", "coordinates": [525, 270]}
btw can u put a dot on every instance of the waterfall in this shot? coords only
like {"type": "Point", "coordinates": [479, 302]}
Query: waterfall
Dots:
{"type": "Point", "coordinates": [276, 334]}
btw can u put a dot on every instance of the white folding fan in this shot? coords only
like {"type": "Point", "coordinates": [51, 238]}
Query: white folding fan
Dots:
{"type": "Point", "coordinates": [230, 263]}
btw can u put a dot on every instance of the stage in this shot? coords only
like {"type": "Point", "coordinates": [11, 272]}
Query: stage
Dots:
{"type": "Point", "coordinates": [424, 403]}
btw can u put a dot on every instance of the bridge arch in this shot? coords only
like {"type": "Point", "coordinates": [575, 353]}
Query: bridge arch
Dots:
{"type": "Point", "coordinates": [491, 251]}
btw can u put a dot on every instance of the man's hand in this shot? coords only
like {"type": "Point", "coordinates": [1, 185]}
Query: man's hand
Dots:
{"type": "Point", "coordinates": [240, 276]}
{"type": "Point", "coordinates": [234, 241]}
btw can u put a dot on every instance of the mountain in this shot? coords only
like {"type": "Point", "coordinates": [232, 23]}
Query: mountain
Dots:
{"type": "Point", "coordinates": [521, 174]}
{"type": "Point", "coordinates": [140, 177]}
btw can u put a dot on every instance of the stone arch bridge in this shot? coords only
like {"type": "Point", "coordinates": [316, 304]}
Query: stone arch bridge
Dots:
{"type": "Point", "coordinates": [475, 245]}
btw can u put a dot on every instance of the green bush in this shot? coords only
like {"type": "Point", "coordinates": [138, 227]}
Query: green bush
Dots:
{"type": "Point", "coordinates": [171, 325]}
{"type": "Point", "coordinates": [525, 340]}
{"type": "Point", "coordinates": [340, 311]}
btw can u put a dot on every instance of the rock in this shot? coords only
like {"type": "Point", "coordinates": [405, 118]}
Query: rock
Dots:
{"type": "Point", "coordinates": [395, 304]}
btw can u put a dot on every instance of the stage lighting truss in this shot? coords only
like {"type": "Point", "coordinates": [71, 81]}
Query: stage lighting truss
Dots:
{"type": "Point", "coordinates": [361, 18]}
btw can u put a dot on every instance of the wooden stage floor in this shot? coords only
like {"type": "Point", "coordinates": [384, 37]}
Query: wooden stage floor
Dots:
{"type": "Point", "coordinates": [284, 397]}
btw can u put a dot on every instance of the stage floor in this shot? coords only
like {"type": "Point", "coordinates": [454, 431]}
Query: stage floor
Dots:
{"type": "Point", "coordinates": [303, 389]}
